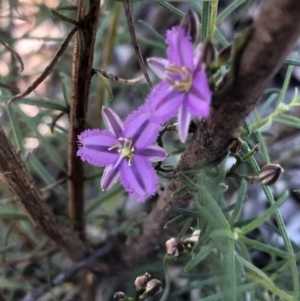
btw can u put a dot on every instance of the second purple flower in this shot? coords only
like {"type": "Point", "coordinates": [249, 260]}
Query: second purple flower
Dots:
{"type": "Point", "coordinates": [185, 89]}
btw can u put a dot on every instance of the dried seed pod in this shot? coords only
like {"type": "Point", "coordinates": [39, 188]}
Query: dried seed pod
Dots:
{"type": "Point", "coordinates": [270, 173]}
{"type": "Point", "coordinates": [174, 247]}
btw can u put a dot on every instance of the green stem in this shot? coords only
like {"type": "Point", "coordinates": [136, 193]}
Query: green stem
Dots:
{"type": "Point", "coordinates": [213, 18]}
{"type": "Point", "coordinates": [167, 280]}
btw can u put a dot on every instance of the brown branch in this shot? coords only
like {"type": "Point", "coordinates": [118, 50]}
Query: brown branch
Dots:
{"type": "Point", "coordinates": [274, 33]}
{"type": "Point", "coordinates": [81, 75]}
{"type": "Point", "coordinates": [47, 70]}
{"type": "Point", "coordinates": [14, 175]}
{"type": "Point", "coordinates": [21, 184]}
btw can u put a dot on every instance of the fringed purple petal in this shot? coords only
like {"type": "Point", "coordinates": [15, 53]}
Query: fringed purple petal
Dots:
{"type": "Point", "coordinates": [139, 179]}
{"type": "Point", "coordinates": [184, 119]}
{"type": "Point", "coordinates": [180, 48]}
{"type": "Point", "coordinates": [110, 177]}
{"type": "Point", "coordinates": [112, 121]}
{"type": "Point", "coordinates": [140, 128]}
{"type": "Point", "coordinates": [158, 66]}
{"type": "Point", "coordinates": [154, 153]}
{"type": "Point", "coordinates": [95, 146]}
{"type": "Point", "coordinates": [164, 102]}
{"type": "Point", "coordinates": [199, 97]}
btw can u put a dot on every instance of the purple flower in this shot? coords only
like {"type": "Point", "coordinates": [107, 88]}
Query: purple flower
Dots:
{"type": "Point", "coordinates": [185, 89]}
{"type": "Point", "coordinates": [126, 151]}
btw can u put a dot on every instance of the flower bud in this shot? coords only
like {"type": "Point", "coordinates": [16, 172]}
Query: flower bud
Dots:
{"type": "Point", "coordinates": [154, 287]}
{"type": "Point", "coordinates": [120, 296]}
{"type": "Point", "coordinates": [224, 56]}
{"type": "Point", "coordinates": [141, 281]}
{"type": "Point", "coordinates": [236, 145]}
{"type": "Point", "coordinates": [256, 148]}
{"type": "Point", "coordinates": [208, 56]}
{"type": "Point", "coordinates": [270, 173]}
{"type": "Point", "coordinates": [190, 23]}
{"type": "Point", "coordinates": [174, 247]}
{"type": "Point", "coordinates": [193, 239]}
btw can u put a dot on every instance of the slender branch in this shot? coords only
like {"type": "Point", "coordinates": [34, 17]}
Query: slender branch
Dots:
{"type": "Point", "coordinates": [67, 274]}
{"type": "Point", "coordinates": [274, 33]}
{"type": "Point", "coordinates": [47, 70]}
{"type": "Point", "coordinates": [21, 184]}
{"type": "Point", "coordinates": [135, 44]}
{"type": "Point", "coordinates": [14, 175]}
{"type": "Point", "coordinates": [81, 75]}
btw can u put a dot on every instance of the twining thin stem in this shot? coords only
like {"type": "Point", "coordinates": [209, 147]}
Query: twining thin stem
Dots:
{"type": "Point", "coordinates": [134, 41]}
{"type": "Point", "coordinates": [47, 70]}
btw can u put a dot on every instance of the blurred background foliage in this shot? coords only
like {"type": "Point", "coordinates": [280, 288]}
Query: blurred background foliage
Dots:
{"type": "Point", "coordinates": [224, 266]}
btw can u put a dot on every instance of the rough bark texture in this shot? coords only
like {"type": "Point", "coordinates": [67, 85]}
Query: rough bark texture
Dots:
{"type": "Point", "coordinates": [274, 33]}
{"type": "Point", "coordinates": [21, 184]}
{"type": "Point", "coordinates": [15, 176]}
{"type": "Point", "coordinates": [81, 75]}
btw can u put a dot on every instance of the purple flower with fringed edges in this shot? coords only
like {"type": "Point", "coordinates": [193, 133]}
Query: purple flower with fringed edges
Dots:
{"type": "Point", "coordinates": [126, 151]}
{"type": "Point", "coordinates": [185, 89]}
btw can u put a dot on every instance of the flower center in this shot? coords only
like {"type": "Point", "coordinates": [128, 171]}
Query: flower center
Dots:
{"type": "Point", "coordinates": [179, 78]}
{"type": "Point", "coordinates": [125, 149]}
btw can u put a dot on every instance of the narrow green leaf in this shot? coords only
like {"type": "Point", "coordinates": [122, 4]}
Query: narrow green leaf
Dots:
{"type": "Point", "coordinates": [239, 203]}
{"type": "Point", "coordinates": [291, 118]}
{"type": "Point", "coordinates": [102, 198]}
{"type": "Point", "coordinates": [50, 150]}
{"type": "Point", "coordinates": [285, 83]}
{"type": "Point", "coordinates": [7, 249]}
{"type": "Point", "coordinates": [229, 9]}
{"type": "Point", "coordinates": [268, 103]}
{"type": "Point", "coordinates": [16, 128]}
{"type": "Point", "coordinates": [13, 215]}
{"type": "Point", "coordinates": [175, 221]}
{"type": "Point", "coordinates": [263, 247]}
{"type": "Point", "coordinates": [248, 126]}
{"type": "Point", "coordinates": [287, 122]}
{"type": "Point", "coordinates": [155, 34]}
{"type": "Point", "coordinates": [187, 181]}
{"type": "Point", "coordinates": [205, 20]}
{"type": "Point", "coordinates": [231, 270]}
{"type": "Point", "coordinates": [292, 62]}
{"type": "Point", "coordinates": [267, 214]}
{"type": "Point", "coordinates": [172, 9]}
{"type": "Point", "coordinates": [63, 17]}
{"type": "Point", "coordinates": [265, 281]}
{"type": "Point", "coordinates": [180, 192]}
{"type": "Point", "coordinates": [201, 255]}
{"type": "Point", "coordinates": [106, 84]}
{"type": "Point", "coordinates": [265, 126]}
{"type": "Point", "coordinates": [40, 102]}
{"type": "Point", "coordinates": [214, 210]}
{"type": "Point", "coordinates": [185, 212]}
{"type": "Point", "coordinates": [46, 176]}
